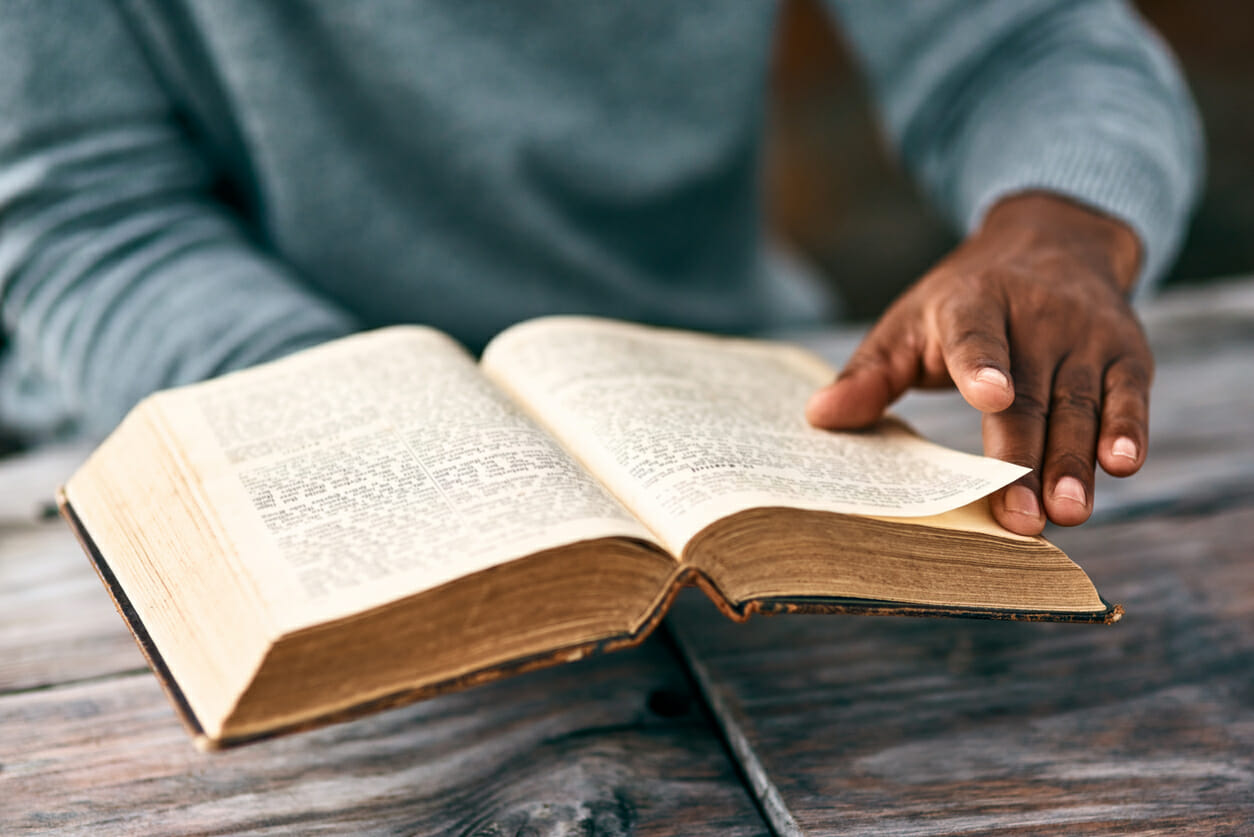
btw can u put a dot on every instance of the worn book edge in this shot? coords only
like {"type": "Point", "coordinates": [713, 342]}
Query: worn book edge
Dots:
{"type": "Point", "coordinates": [739, 612]}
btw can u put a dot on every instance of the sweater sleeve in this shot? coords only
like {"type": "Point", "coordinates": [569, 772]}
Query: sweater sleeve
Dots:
{"type": "Point", "coordinates": [985, 98]}
{"type": "Point", "coordinates": [119, 272]}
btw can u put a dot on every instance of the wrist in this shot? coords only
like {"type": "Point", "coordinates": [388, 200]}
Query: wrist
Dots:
{"type": "Point", "coordinates": [1047, 220]}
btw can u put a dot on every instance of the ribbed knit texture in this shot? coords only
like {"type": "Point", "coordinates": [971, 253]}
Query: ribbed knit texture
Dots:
{"type": "Point", "coordinates": [193, 186]}
{"type": "Point", "coordinates": [1077, 98]}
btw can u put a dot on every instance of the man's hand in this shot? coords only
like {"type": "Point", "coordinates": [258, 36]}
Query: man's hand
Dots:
{"type": "Point", "coordinates": [1029, 318]}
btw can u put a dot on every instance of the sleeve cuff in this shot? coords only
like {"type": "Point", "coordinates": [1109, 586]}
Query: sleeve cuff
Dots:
{"type": "Point", "coordinates": [1116, 182]}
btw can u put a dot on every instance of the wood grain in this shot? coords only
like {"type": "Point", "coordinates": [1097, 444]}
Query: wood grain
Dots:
{"type": "Point", "coordinates": [874, 725]}
{"type": "Point", "coordinates": [56, 624]}
{"type": "Point", "coordinates": [611, 746]}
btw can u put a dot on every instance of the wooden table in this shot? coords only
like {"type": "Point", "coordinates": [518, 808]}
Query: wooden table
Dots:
{"type": "Point", "coordinates": [786, 725]}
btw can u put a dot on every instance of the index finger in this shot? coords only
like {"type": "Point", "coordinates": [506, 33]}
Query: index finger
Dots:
{"type": "Point", "coordinates": [977, 354]}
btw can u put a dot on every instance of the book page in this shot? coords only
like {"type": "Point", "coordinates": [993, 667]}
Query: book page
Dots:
{"type": "Point", "coordinates": [687, 428]}
{"type": "Point", "coordinates": [376, 467]}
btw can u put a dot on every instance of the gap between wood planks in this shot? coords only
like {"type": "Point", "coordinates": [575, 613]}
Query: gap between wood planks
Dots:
{"type": "Point", "coordinates": [749, 767]}
{"type": "Point", "coordinates": [730, 726]}
{"type": "Point", "coordinates": [78, 681]}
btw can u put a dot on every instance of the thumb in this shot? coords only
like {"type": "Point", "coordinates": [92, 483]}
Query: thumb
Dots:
{"type": "Point", "coordinates": [875, 376]}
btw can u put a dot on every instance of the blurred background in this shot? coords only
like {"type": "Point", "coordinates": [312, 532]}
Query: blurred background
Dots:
{"type": "Point", "coordinates": [836, 195]}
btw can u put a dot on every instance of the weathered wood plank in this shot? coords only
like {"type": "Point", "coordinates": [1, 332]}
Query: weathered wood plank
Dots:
{"type": "Point", "coordinates": [609, 746]}
{"type": "Point", "coordinates": [56, 622]}
{"type": "Point", "coordinates": [888, 726]}
{"type": "Point", "coordinates": [29, 482]}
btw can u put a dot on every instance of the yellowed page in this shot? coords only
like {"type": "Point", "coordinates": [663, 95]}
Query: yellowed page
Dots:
{"type": "Point", "coordinates": [687, 428]}
{"type": "Point", "coordinates": [376, 467]}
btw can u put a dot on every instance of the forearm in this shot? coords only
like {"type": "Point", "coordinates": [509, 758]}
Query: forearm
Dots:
{"type": "Point", "coordinates": [119, 273]}
{"type": "Point", "coordinates": [133, 281]}
{"type": "Point", "coordinates": [989, 99]}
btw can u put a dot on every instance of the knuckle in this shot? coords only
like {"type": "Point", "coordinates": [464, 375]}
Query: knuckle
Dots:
{"type": "Point", "coordinates": [1080, 403]}
{"type": "Point", "coordinates": [978, 350]}
{"type": "Point", "coordinates": [1137, 427]}
{"type": "Point", "coordinates": [1027, 457]}
{"type": "Point", "coordinates": [1131, 374]}
{"type": "Point", "coordinates": [1132, 404]}
{"type": "Point", "coordinates": [1029, 405]}
{"type": "Point", "coordinates": [966, 324]}
{"type": "Point", "coordinates": [967, 334]}
{"type": "Point", "coordinates": [1011, 439]}
{"type": "Point", "coordinates": [1071, 463]}
{"type": "Point", "coordinates": [867, 357]}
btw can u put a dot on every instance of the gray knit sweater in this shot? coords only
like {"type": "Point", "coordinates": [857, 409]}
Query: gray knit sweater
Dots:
{"type": "Point", "coordinates": [193, 186]}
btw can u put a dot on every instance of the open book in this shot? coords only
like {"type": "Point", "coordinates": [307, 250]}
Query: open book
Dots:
{"type": "Point", "coordinates": [380, 519]}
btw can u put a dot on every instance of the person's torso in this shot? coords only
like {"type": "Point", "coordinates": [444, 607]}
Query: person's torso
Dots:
{"type": "Point", "coordinates": [470, 164]}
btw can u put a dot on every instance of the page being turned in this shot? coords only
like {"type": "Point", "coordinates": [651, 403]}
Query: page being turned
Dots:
{"type": "Point", "coordinates": [380, 466]}
{"type": "Point", "coordinates": [687, 429]}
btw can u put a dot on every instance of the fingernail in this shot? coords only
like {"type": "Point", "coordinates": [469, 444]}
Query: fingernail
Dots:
{"type": "Point", "coordinates": [989, 375]}
{"type": "Point", "coordinates": [1022, 500]}
{"type": "Point", "coordinates": [1070, 488]}
{"type": "Point", "coordinates": [1124, 447]}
